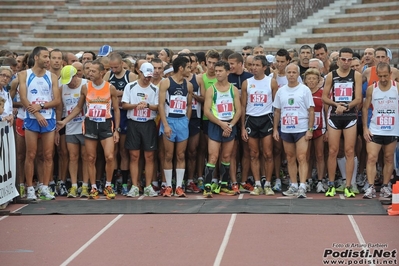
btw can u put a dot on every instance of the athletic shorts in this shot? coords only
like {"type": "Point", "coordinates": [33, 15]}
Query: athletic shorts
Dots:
{"type": "Point", "coordinates": [179, 128]}
{"type": "Point", "coordinates": [317, 133]}
{"type": "Point", "coordinates": [259, 126]}
{"type": "Point", "coordinates": [215, 133]}
{"type": "Point", "coordinates": [383, 140]}
{"type": "Point", "coordinates": [194, 126]}
{"type": "Point", "coordinates": [98, 130]}
{"type": "Point", "coordinates": [122, 121]}
{"type": "Point", "coordinates": [340, 124]}
{"type": "Point", "coordinates": [19, 127]}
{"type": "Point", "coordinates": [75, 139]}
{"type": "Point", "coordinates": [205, 125]}
{"type": "Point", "coordinates": [292, 137]}
{"type": "Point", "coordinates": [141, 135]}
{"type": "Point", "coordinates": [33, 125]}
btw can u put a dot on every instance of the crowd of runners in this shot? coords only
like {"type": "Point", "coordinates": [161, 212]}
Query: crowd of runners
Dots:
{"type": "Point", "coordinates": [214, 122]}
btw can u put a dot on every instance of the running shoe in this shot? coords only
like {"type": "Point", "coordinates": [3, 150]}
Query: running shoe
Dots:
{"type": "Point", "coordinates": [268, 191]}
{"type": "Point", "coordinates": [179, 192]}
{"type": "Point", "coordinates": [45, 194]}
{"type": "Point", "coordinates": [53, 189]}
{"type": "Point", "coordinates": [156, 188]}
{"type": "Point", "coordinates": [320, 187]}
{"type": "Point", "coordinates": [162, 191]}
{"type": "Point", "coordinates": [235, 188]}
{"type": "Point", "coordinates": [370, 193]}
{"type": "Point", "coordinates": [85, 192]}
{"type": "Point", "coordinates": [361, 180]}
{"type": "Point", "coordinates": [301, 193]}
{"type": "Point", "coordinates": [31, 194]}
{"type": "Point", "coordinates": [22, 191]}
{"type": "Point", "coordinates": [330, 192]}
{"type": "Point", "coordinates": [385, 192]}
{"type": "Point", "coordinates": [341, 187]}
{"type": "Point", "coordinates": [200, 183]}
{"type": "Point", "coordinates": [94, 194]}
{"type": "Point", "coordinates": [247, 187]}
{"type": "Point", "coordinates": [349, 193]}
{"type": "Point", "coordinates": [192, 188]}
{"type": "Point", "coordinates": [168, 192]}
{"type": "Point", "coordinates": [150, 192]}
{"type": "Point", "coordinates": [258, 190]}
{"type": "Point", "coordinates": [277, 185]}
{"type": "Point", "coordinates": [124, 190]}
{"type": "Point", "coordinates": [292, 191]}
{"type": "Point", "coordinates": [224, 190]}
{"type": "Point", "coordinates": [62, 190]}
{"type": "Point", "coordinates": [109, 192]}
{"type": "Point", "coordinates": [366, 186]}
{"type": "Point", "coordinates": [133, 192]}
{"type": "Point", "coordinates": [355, 189]}
{"type": "Point", "coordinates": [215, 188]}
{"type": "Point", "coordinates": [207, 192]}
{"type": "Point", "coordinates": [73, 192]}
{"type": "Point", "coordinates": [309, 184]}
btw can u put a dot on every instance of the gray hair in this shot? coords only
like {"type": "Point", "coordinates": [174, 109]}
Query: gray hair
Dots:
{"type": "Point", "coordinates": [320, 63]}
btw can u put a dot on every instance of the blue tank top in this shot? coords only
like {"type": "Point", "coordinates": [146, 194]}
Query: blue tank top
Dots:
{"type": "Point", "coordinates": [177, 98]}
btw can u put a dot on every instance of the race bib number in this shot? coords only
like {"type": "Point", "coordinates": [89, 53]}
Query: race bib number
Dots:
{"type": "Point", "coordinates": [225, 110]}
{"type": "Point", "coordinates": [291, 119]}
{"type": "Point", "coordinates": [258, 98]}
{"type": "Point", "coordinates": [143, 113]}
{"type": "Point", "coordinates": [385, 122]}
{"type": "Point", "coordinates": [317, 120]}
{"type": "Point", "coordinates": [97, 112]}
{"type": "Point", "coordinates": [178, 104]}
{"type": "Point", "coordinates": [343, 92]}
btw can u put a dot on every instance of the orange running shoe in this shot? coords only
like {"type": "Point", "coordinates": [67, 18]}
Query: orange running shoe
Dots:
{"type": "Point", "coordinates": [180, 193]}
{"type": "Point", "coordinates": [168, 192]}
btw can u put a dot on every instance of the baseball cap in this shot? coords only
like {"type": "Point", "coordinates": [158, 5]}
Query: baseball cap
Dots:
{"type": "Point", "coordinates": [270, 58]}
{"type": "Point", "coordinates": [147, 69]}
{"type": "Point", "coordinates": [105, 50]}
{"type": "Point", "coordinates": [67, 73]}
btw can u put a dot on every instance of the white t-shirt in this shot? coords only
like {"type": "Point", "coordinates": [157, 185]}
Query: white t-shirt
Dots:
{"type": "Point", "coordinates": [133, 94]}
{"type": "Point", "coordinates": [294, 104]}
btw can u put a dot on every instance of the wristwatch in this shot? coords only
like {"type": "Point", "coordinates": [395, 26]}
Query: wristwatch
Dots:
{"type": "Point", "coordinates": [42, 105]}
{"type": "Point", "coordinates": [310, 129]}
{"type": "Point", "coordinates": [118, 130]}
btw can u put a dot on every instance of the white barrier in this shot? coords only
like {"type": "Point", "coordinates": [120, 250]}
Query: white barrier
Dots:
{"type": "Point", "coordinates": [7, 163]}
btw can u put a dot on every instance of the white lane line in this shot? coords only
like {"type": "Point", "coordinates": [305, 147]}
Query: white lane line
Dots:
{"type": "Point", "coordinates": [2, 218]}
{"type": "Point", "coordinates": [88, 243]}
{"type": "Point", "coordinates": [225, 241]}
{"type": "Point", "coordinates": [141, 197]}
{"type": "Point", "coordinates": [226, 237]}
{"type": "Point", "coordinates": [358, 233]}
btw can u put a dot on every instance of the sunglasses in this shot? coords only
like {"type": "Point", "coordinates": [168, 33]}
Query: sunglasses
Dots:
{"type": "Point", "coordinates": [343, 59]}
{"type": "Point", "coordinates": [246, 54]}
